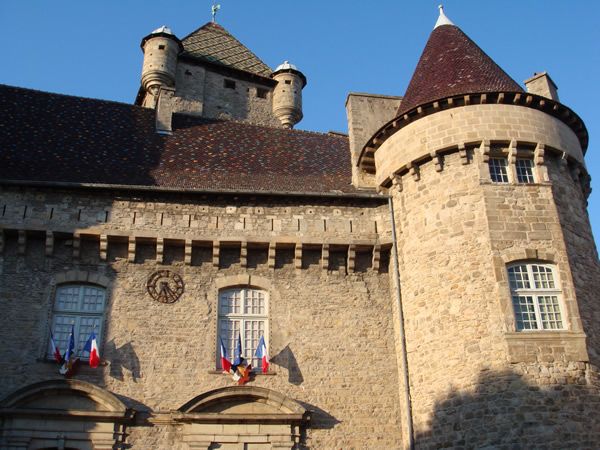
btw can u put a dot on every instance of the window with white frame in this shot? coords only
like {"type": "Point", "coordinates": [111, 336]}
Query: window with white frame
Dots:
{"type": "Point", "coordinates": [498, 170]}
{"type": "Point", "coordinates": [524, 169]}
{"type": "Point", "coordinates": [536, 296]}
{"type": "Point", "coordinates": [242, 312]}
{"type": "Point", "coordinates": [80, 306]}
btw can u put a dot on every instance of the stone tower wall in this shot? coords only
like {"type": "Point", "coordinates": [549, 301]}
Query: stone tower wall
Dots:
{"type": "Point", "coordinates": [474, 379]}
{"type": "Point", "coordinates": [160, 63]}
{"type": "Point", "coordinates": [287, 98]}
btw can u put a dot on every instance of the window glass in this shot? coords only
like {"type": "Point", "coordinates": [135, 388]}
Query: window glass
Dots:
{"type": "Point", "coordinates": [79, 306]}
{"type": "Point", "coordinates": [498, 172]}
{"type": "Point", "coordinates": [242, 312]}
{"type": "Point", "coordinates": [524, 170]}
{"type": "Point", "coordinates": [535, 297]}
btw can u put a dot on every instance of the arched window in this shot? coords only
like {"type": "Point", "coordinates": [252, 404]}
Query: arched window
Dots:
{"type": "Point", "coordinates": [536, 296]}
{"type": "Point", "coordinates": [80, 306]}
{"type": "Point", "coordinates": [242, 312]}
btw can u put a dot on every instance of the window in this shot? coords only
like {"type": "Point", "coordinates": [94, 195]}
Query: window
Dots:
{"type": "Point", "coordinates": [243, 312]}
{"type": "Point", "coordinates": [524, 170]}
{"type": "Point", "coordinates": [261, 93]}
{"type": "Point", "coordinates": [229, 84]}
{"type": "Point", "coordinates": [80, 306]}
{"type": "Point", "coordinates": [498, 172]}
{"type": "Point", "coordinates": [535, 297]}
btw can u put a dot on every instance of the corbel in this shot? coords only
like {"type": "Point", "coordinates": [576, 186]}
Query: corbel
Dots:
{"type": "Point", "coordinates": [298, 256]}
{"type": "Point", "coordinates": [216, 251]}
{"type": "Point", "coordinates": [483, 99]}
{"type": "Point", "coordinates": [564, 161]}
{"type": "Point", "coordinates": [414, 171]}
{"type": "Point", "coordinates": [397, 181]}
{"type": "Point", "coordinates": [484, 149]}
{"type": "Point", "coordinates": [376, 257]}
{"type": "Point", "coordinates": [351, 258]}
{"type": "Point", "coordinates": [271, 255]}
{"type": "Point", "coordinates": [467, 99]}
{"type": "Point", "coordinates": [187, 252]}
{"type": "Point", "coordinates": [131, 249]}
{"type": "Point", "coordinates": [500, 98]}
{"type": "Point", "coordinates": [103, 247]}
{"type": "Point", "coordinates": [437, 161]}
{"type": "Point", "coordinates": [462, 153]}
{"type": "Point", "coordinates": [325, 257]}
{"type": "Point", "coordinates": [538, 154]}
{"type": "Point", "coordinates": [244, 254]}
{"type": "Point", "coordinates": [49, 243]}
{"type": "Point", "coordinates": [76, 245]}
{"type": "Point", "coordinates": [575, 172]}
{"type": "Point", "coordinates": [517, 98]}
{"type": "Point", "coordinates": [21, 242]}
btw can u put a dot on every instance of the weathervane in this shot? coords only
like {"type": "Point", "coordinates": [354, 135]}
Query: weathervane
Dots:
{"type": "Point", "coordinates": [215, 7]}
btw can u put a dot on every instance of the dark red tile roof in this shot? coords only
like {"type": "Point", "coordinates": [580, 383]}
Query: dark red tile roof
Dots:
{"type": "Point", "coordinates": [452, 64]}
{"type": "Point", "coordinates": [57, 138]}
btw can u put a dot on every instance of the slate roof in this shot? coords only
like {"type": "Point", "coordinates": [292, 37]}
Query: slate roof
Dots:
{"type": "Point", "coordinates": [57, 138]}
{"type": "Point", "coordinates": [213, 43]}
{"type": "Point", "coordinates": [452, 64]}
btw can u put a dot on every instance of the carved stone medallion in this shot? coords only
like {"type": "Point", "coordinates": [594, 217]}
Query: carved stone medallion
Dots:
{"type": "Point", "coordinates": [165, 286]}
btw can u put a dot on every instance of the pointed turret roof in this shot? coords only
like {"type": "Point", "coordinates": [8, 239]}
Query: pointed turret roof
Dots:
{"type": "Point", "coordinates": [452, 64]}
{"type": "Point", "coordinates": [213, 43]}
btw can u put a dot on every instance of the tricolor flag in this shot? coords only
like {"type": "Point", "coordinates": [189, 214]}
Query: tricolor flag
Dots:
{"type": "Point", "coordinates": [225, 363]}
{"type": "Point", "coordinates": [55, 350]}
{"type": "Point", "coordinates": [240, 369]}
{"type": "Point", "coordinates": [69, 359]}
{"type": "Point", "coordinates": [261, 353]}
{"type": "Point", "coordinates": [92, 346]}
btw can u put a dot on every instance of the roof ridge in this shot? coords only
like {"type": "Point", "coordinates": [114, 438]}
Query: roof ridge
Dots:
{"type": "Point", "coordinates": [258, 125]}
{"type": "Point", "coordinates": [60, 94]}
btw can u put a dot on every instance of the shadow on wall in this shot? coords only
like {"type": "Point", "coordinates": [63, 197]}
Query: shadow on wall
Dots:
{"type": "Point", "coordinates": [123, 357]}
{"type": "Point", "coordinates": [505, 411]}
{"type": "Point", "coordinates": [286, 359]}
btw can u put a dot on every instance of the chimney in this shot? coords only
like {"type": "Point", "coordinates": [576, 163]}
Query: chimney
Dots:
{"type": "Point", "coordinates": [164, 110]}
{"type": "Point", "coordinates": [542, 84]}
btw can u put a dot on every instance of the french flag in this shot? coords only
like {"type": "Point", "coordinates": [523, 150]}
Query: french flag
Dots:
{"type": "Point", "coordinates": [261, 353]}
{"type": "Point", "coordinates": [92, 346]}
{"type": "Point", "coordinates": [55, 350]}
{"type": "Point", "coordinates": [225, 363]}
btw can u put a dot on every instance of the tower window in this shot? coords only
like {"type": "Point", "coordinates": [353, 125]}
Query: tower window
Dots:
{"type": "Point", "coordinates": [524, 170]}
{"type": "Point", "coordinates": [261, 93]}
{"type": "Point", "coordinates": [535, 297]}
{"type": "Point", "coordinates": [498, 172]}
{"type": "Point", "coordinates": [229, 84]}
{"type": "Point", "coordinates": [242, 312]}
{"type": "Point", "coordinates": [161, 47]}
{"type": "Point", "coordinates": [288, 81]}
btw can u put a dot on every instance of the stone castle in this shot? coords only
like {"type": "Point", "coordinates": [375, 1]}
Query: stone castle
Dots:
{"type": "Point", "coordinates": [428, 281]}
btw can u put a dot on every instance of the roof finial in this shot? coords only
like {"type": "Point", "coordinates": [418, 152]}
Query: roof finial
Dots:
{"type": "Point", "coordinates": [214, 8]}
{"type": "Point", "coordinates": [442, 20]}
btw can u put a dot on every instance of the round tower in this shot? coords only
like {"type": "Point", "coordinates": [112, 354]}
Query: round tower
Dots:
{"type": "Point", "coordinates": [161, 48]}
{"type": "Point", "coordinates": [496, 261]}
{"type": "Point", "coordinates": [287, 96]}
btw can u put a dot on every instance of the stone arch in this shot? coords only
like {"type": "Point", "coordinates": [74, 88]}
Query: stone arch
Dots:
{"type": "Point", "coordinates": [240, 414]}
{"type": "Point", "coordinates": [63, 413]}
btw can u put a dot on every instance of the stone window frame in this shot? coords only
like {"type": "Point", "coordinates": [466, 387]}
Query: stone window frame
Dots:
{"type": "Point", "coordinates": [249, 282]}
{"type": "Point", "coordinates": [568, 344]}
{"type": "Point", "coordinates": [511, 153]}
{"type": "Point", "coordinates": [535, 293]}
{"type": "Point", "coordinates": [82, 278]}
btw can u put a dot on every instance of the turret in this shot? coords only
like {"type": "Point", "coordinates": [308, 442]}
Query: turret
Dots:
{"type": "Point", "coordinates": [287, 96]}
{"type": "Point", "coordinates": [160, 48]}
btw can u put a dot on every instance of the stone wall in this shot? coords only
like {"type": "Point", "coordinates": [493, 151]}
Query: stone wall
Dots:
{"type": "Point", "coordinates": [251, 101]}
{"type": "Point", "coordinates": [330, 318]}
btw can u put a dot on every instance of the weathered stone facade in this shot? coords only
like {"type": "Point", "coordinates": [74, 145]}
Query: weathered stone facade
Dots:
{"type": "Point", "coordinates": [391, 319]}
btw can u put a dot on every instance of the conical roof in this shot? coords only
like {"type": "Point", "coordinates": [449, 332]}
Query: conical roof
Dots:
{"type": "Point", "coordinates": [452, 64]}
{"type": "Point", "coordinates": [213, 43]}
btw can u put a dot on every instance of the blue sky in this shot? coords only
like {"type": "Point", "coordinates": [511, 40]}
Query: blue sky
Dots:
{"type": "Point", "coordinates": [92, 49]}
